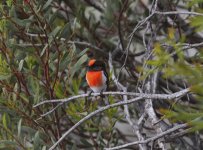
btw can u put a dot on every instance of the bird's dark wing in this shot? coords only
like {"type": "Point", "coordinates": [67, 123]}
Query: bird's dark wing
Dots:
{"type": "Point", "coordinates": [107, 79]}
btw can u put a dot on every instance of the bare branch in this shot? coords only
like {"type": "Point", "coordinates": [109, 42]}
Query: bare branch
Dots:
{"type": "Point", "coordinates": [143, 95]}
{"type": "Point", "coordinates": [91, 115]}
{"type": "Point", "coordinates": [126, 109]}
{"type": "Point", "coordinates": [101, 110]}
{"type": "Point", "coordinates": [179, 12]}
{"type": "Point", "coordinates": [86, 44]}
{"type": "Point", "coordinates": [181, 126]}
{"type": "Point", "coordinates": [142, 22]}
{"type": "Point", "coordinates": [185, 46]}
{"type": "Point", "coordinates": [151, 81]}
{"type": "Point", "coordinates": [188, 46]}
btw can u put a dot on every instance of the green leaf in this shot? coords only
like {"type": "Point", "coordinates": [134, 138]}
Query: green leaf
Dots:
{"type": "Point", "coordinates": [78, 65]}
{"type": "Point", "coordinates": [43, 50]}
{"type": "Point", "coordinates": [197, 22]}
{"type": "Point", "coordinates": [23, 22]}
{"type": "Point", "coordinates": [4, 69]}
{"type": "Point", "coordinates": [171, 33]}
{"type": "Point", "coordinates": [55, 31]}
{"type": "Point", "coordinates": [83, 52]}
{"type": "Point", "coordinates": [47, 4]}
{"type": "Point", "coordinates": [52, 18]}
{"type": "Point", "coordinates": [20, 66]}
{"type": "Point", "coordinates": [3, 23]}
{"type": "Point", "coordinates": [193, 2]}
{"type": "Point", "coordinates": [4, 76]}
{"type": "Point", "coordinates": [76, 85]}
{"type": "Point", "coordinates": [154, 62]}
{"type": "Point", "coordinates": [66, 31]}
{"type": "Point", "coordinates": [19, 127]}
{"type": "Point", "coordinates": [58, 89]}
{"type": "Point", "coordinates": [86, 143]}
{"type": "Point", "coordinates": [65, 61]}
{"type": "Point", "coordinates": [9, 2]}
{"type": "Point", "coordinates": [37, 141]}
{"type": "Point", "coordinates": [4, 144]}
{"type": "Point", "coordinates": [28, 130]}
{"type": "Point", "coordinates": [4, 120]}
{"type": "Point", "coordinates": [16, 88]}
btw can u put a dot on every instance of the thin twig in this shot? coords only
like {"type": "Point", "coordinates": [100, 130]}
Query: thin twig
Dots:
{"type": "Point", "coordinates": [143, 95]}
{"type": "Point", "coordinates": [70, 42]}
{"type": "Point", "coordinates": [126, 109]}
{"type": "Point", "coordinates": [179, 12]}
{"type": "Point", "coordinates": [181, 126]}
{"type": "Point", "coordinates": [101, 110]}
{"type": "Point", "coordinates": [139, 24]}
{"type": "Point", "coordinates": [93, 114]}
{"type": "Point", "coordinates": [151, 83]}
{"type": "Point", "coordinates": [119, 24]}
{"type": "Point", "coordinates": [52, 110]}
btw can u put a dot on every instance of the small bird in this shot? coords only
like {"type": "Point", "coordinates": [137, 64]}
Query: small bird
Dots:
{"type": "Point", "coordinates": [96, 76]}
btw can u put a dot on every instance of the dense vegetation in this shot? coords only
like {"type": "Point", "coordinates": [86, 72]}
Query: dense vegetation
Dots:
{"type": "Point", "coordinates": [149, 46]}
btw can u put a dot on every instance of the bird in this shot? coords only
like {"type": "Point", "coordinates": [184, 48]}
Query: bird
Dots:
{"type": "Point", "coordinates": [97, 76]}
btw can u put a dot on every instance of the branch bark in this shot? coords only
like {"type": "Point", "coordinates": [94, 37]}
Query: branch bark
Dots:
{"type": "Point", "coordinates": [135, 127]}
{"type": "Point", "coordinates": [99, 111]}
{"type": "Point", "coordinates": [143, 95]}
{"type": "Point", "coordinates": [181, 126]}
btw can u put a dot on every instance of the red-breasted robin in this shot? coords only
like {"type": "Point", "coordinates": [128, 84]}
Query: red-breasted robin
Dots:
{"type": "Point", "coordinates": [96, 76]}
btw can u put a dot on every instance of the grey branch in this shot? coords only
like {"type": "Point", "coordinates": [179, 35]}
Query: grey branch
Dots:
{"type": "Point", "coordinates": [178, 94]}
{"type": "Point", "coordinates": [185, 46]}
{"type": "Point", "coordinates": [179, 12]}
{"type": "Point", "coordinates": [143, 95]}
{"type": "Point", "coordinates": [188, 46]}
{"type": "Point", "coordinates": [181, 126]}
{"type": "Point", "coordinates": [151, 83]}
{"type": "Point", "coordinates": [91, 115]}
{"type": "Point", "coordinates": [126, 109]}
{"type": "Point", "coordinates": [86, 44]}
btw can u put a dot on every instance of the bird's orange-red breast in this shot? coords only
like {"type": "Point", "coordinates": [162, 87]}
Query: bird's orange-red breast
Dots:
{"type": "Point", "coordinates": [96, 76]}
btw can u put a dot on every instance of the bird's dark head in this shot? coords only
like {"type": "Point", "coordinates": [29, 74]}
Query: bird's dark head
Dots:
{"type": "Point", "coordinates": [95, 65]}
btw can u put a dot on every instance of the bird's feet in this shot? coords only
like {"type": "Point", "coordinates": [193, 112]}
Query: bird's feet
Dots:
{"type": "Point", "coordinates": [101, 94]}
{"type": "Point", "coordinates": [89, 94]}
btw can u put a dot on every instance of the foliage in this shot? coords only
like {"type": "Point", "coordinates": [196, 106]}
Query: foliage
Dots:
{"type": "Point", "coordinates": [45, 46]}
{"type": "Point", "coordinates": [179, 66]}
{"type": "Point", "coordinates": [38, 62]}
